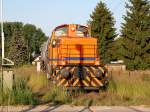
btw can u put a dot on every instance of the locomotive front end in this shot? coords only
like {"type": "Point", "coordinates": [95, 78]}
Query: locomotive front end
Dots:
{"type": "Point", "coordinates": [73, 59]}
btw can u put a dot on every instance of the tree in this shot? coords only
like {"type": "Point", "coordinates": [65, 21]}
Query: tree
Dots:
{"type": "Point", "coordinates": [37, 40]}
{"type": "Point", "coordinates": [31, 38]}
{"type": "Point", "coordinates": [7, 34]}
{"type": "Point", "coordinates": [102, 27]}
{"type": "Point", "coordinates": [136, 35]}
{"type": "Point", "coordinates": [116, 49]}
{"type": "Point", "coordinates": [29, 32]}
{"type": "Point", "coordinates": [34, 38]}
{"type": "Point", "coordinates": [18, 48]}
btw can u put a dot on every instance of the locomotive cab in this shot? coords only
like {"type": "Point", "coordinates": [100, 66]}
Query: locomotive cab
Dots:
{"type": "Point", "coordinates": [72, 45]}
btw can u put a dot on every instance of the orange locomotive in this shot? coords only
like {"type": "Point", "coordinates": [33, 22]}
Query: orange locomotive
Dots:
{"type": "Point", "coordinates": [70, 58]}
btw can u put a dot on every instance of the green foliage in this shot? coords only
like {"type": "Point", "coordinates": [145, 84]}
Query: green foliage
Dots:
{"type": "Point", "coordinates": [17, 46]}
{"type": "Point", "coordinates": [102, 27]}
{"type": "Point", "coordinates": [136, 35]}
{"type": "Point", "coordinates": [22, 93]}
{"type": "Point", "coordinates": [8, 33]}
{"type": "Point", "coordinates": [117, 50]}
{"type": "Point", "coordinates": [30, 37]}
{"type": "Point", "coordinates": [34, 38]}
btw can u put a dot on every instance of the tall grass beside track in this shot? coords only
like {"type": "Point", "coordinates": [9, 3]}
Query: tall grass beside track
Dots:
{"type": "Point", "coordinates": [125, 88]}
{"type": "Point", "coordinates": [31, 88]}
{"type": "Point", "coordinates": [21, 94]}
{"type": "Point", "coordinates": [130, 88]}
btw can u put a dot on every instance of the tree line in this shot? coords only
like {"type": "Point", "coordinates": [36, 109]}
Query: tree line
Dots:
{"type": "Point", "coordinates": [22, 42]}
{"type": "Point", "coordinates": [133, 45]}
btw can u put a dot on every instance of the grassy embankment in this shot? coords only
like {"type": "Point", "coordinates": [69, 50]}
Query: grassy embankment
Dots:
{"type": "Point", "coordinates": [124, 89]}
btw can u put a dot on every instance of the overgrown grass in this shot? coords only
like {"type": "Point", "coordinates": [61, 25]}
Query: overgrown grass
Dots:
{"type": "Point", "coordinates": [125, 88]}
{"type": "Point", "coordinates": [129, 92]}
{"type": "Point", "coordinates": [57, 95]}
{"type": "Point", "coordinates": [20, 94]}
{"type": "Point", "coordinates": [27, 84]}
{"type": "Point", "coordinates": [37, 81]}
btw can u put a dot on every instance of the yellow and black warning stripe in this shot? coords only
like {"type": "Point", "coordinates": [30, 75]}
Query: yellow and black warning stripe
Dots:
{"type": "Point", "coordinates": [90, 78]}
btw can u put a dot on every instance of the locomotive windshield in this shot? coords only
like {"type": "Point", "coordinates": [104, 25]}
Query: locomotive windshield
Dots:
{"type": "Point", "coordinates": [82, 31]}
{"type": "Point", "coordinates": [63, 31]}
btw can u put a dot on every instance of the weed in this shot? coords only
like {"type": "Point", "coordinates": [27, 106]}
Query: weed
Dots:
{"type": "Point", "coordinates": [57, 95]}
{"type": "Point", "coordinates": [20, 94]}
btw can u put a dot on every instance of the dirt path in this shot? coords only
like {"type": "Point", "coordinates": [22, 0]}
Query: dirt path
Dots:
{"type": "Point", "coordinates": [68, 108]}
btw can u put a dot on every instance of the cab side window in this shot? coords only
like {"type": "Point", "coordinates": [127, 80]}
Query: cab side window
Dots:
{"type": "Point", "coordinates": [61, 32]}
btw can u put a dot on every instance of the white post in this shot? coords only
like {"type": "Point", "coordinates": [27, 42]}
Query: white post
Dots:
{"type": "Point", "coordinates": [38, 66]}
{"type": "Point", "coordinates": [7, 75]}
{"type": "Point", "coordinates": [2, 32]}
{"type": "Point", "coordinates": [8, 79]}
{"type": "Point", "coordinates": [10, 63]}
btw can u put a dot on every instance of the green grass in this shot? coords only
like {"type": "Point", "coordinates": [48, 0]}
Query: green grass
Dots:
{"type": "Point", "coordinates": [27, 82]}
{"type": "Point", "coordinates": [131, 92]}
{"type": "Point", "coordinates": [125, 88]}
{"type": "Point", "coordinates": [20, 94]}
{"type": "Point", "coordinates": [57, 95]}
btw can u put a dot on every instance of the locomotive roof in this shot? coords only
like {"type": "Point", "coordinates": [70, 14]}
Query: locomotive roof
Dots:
{"type": "Point", "coordinates": [63, 25]}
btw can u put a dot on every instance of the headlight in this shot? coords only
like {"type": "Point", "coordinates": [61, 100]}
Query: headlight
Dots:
{"type": "Point", "coordinates": [98, 73]}
{"type": "Point", "coordinates": [65, 73]}
{"type": "Point", "coordinates": [53, 43]}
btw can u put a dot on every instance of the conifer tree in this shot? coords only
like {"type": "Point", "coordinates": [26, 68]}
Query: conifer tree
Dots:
{"type": "Point", "coordinates": [102, 27]}
{"type": "Point", "coordinates": [18, 48]}
{"type": "Point", "coordinates": [136, 35]}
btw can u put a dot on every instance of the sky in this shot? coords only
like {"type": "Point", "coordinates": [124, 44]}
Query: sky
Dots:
{"type": "Point", "coordinates": [47, 14]}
